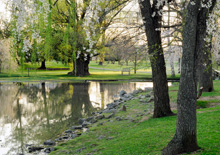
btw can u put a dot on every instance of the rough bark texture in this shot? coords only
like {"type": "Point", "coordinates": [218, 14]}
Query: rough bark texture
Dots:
{"type": "Point", "coordinates": [82, 67]}
{"type": "Point", "coordinates": [204, 68]}
{"type": "Point", "coordinates": [185, 138]}
{"type": "Point", "coordinates": [161, 96]}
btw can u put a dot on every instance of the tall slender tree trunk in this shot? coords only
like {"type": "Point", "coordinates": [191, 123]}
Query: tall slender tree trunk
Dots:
{"type": "Point", "coordinates": [0, 66]}
{"type": "Point", "coordinates": [160, 84]}
{"type": "Point", "coordinates": [185, 138]}
{"type": "Point", "coordinates": [204, 62]}
{"type": "Point", "coordinates": [179, 65]}
{"type": "Point", "coordinates": [172, 63]}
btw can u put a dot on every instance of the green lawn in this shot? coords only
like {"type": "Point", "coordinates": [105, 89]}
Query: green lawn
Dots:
{"type": "Point", "coordinates": [105, 72]}
{"type": "Point", "coordinates": [144, 136]}
{"type": "Point", "coordinates": [147, 135]}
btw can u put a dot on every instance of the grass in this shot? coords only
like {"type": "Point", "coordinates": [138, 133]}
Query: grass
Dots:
{"type": "Point", "coordinates": [97, 73]}
{"type": "Point", "coordinates": [49, 64]}
{"type": "Point", "coordinates": [146, 135]}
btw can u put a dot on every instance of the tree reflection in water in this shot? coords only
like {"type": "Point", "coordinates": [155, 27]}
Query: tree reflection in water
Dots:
{"type": "Point", "coordinates": [34, 112]}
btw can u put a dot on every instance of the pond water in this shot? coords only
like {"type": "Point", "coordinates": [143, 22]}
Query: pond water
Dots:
{"type": "Point", "coordinates": [31, 113]}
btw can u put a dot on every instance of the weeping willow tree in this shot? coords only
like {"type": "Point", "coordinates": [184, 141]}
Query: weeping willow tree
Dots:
{"type": "Point", "coordinates": [83, 23]}
{"type": "Point", "coordinates": [31, 30]}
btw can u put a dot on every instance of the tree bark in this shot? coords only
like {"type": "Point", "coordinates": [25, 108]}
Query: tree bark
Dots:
{"type": "Point", "coordinates": [172, 63]}
{"type": "Point", "coordinates": [0, 66]}
{"type": "Point", "coordinates": [203, 50]}
{"type": "Point", "coordinates": [82, 66]}
{"type": "Point", "coordinates": [159, 77]}
{"type": "Point", "coordinates": [185, 138]}
{"type": "Point", "coordinates": [179, 65]}
{"type": "Point", "coordinates": [43, 64]}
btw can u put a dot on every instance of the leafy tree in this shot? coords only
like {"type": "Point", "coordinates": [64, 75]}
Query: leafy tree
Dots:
{"type": "Point", "coordinates": [85, 22]}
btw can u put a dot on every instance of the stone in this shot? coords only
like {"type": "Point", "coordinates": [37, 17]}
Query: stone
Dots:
{"type": "Point", "coordinates": [123, 108]}
{"type": "Point", "coordinates": [81, 120]}
{"type": "Point", "coordinates": [128, 118]}
{"type": "Point", "coordinates": [126, 95]}
{"type": "Point", "coordinates": [151, 93]}
{"type": "Point", "coordinates": [58, 139]}
{"type": "Point", "coordinates": [77, 127]}
{"type": "Point", "coordinates": [68, 131]}
{"type": "Point", "coordinates": [142, 100]}
{"type": "Point", "coordinates": [34, 148]}
{"type": "Point", "coordinates": [80, 150]}
{"type": "Point", "coordinates": [151, 99]}
{"type": "Point", "coordinates": [94, 145]}
{"type": "Point", "coordinates": [122, 92]}
{"type": "Point", "coordinates": [111, 106]}
{"type": "Point", "coordinates": [94, 150]}
{"type": "Point", "coordinates": [100, 117]}
{"type": "Point", "coordinates": [118, 118]}
{"type": "Point", "coordinates": [65, 137]}
{"type": "Point", "coordinates": [74, 136]}
{"type": "Point", "coordinates": [49, 142]}
{"type": "Point", "coordinates": [147, 95]}
{"type": "Point", "coordinates": [101, 123]}
{"type": "Point", "coordinates": [89, 119]}
{"type": "Point", "coordinates": [101, 137]}
{"type": "Point", "coordinates": [110, 138]}
{"type": "Point", "coordinates": [135, 91]}
{"type": "Point", "coordinates": [93, 120]}
{"type": "Point", "coordinates": [109, 111]}
{"type": "Point", "coordinates": [48, 150]}
{"type": "Point", "coordinates": [148, 89]}
{"type": "Point", "coordinates": [86, 124]}
{"type": "Point", "coordinates": [110, 116]}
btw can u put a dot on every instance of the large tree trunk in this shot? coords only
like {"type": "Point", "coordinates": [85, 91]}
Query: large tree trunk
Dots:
{"type": "Point", "coordinates": [185, 138]}
{"type": "Point", "coordinates": [82, 66]}
{"type": "Point", "coordinates": [160, 85]}
{"type": "Point", "coordinates": [204, 64]}
{"type": "Point", "coordinates": [205, 77]}
{"type": "Point", "coordinates": [43, 64]}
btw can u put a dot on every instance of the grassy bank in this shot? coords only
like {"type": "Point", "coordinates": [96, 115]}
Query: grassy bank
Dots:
{"type": "Point", "coordinates": [145, 135]}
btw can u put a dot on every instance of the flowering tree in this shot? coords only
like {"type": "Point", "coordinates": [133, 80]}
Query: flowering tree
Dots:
{"type": "Point", "coordinates": [91, 19]}
{"type": "Point", "coordinates": [82, 22]}
{"type": "Point", "coordinates": [29, 21]}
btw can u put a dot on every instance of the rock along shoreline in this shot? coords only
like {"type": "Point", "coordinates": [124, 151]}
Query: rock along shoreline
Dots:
{"type": "Point", "coordinates": [108, 113]}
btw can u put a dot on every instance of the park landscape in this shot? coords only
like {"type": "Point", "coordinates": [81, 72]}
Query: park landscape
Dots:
{"type": "Point", "coordinates": [109, 77]}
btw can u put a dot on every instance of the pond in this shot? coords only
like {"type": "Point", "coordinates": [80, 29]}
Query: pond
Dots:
{"type": "Point", "coordinates": [31, 113]}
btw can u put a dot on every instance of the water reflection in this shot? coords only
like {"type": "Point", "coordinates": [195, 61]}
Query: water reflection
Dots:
{"type": "Point", "coordinates": [34, 112]}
